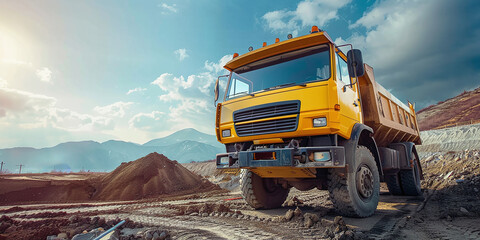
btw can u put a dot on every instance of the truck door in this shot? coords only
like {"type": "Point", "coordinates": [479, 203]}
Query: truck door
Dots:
{"type": "Point", "coordinates": [350, 109]}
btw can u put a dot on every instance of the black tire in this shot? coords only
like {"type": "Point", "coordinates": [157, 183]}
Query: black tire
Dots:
{"type": "Point", "coordinates": [349, 199]}
{"type": "Point", "coordinates": [393, 184]}
{"type": "Point", "coordinates": [410, 180]}
{"type": "Point", "coordinates": [261, 193]}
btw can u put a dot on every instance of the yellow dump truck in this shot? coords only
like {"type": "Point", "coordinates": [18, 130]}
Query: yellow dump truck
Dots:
{"type": "Point", "coordinates": [300, 113]}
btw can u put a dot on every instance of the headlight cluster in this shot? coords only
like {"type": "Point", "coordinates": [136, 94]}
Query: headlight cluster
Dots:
{"type": "Point", "coordinates": [320, 122]}
{"type": "Point", "coordinates": [226, 133]}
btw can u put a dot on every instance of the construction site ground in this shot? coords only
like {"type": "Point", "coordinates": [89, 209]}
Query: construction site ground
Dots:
{"type": "Point", "coordinates": [221, 215]}
{"type": "Point", "coordinates": [448, 209]}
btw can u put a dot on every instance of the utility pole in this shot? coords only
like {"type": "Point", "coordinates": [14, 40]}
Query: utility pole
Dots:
{"type": "Point", "coordinates": [1, 168]}
{"type": "Point", "coordinates": [20, 171]}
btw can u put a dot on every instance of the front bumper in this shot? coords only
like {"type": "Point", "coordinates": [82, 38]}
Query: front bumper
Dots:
{"type": "Point", "coordinates": [284, 157]}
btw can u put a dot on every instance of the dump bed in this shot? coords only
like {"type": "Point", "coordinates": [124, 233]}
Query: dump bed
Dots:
{"type": "Point", "coordinates": [391, 120]}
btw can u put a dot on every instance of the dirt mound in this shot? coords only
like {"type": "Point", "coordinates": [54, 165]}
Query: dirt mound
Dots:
{"type": "Point", "coordinates": [150, 176]}
{"type": "Point", "coordinates": [225, 178]}
{"type": "Point", "coordinates": [206, 168]}
{"type": "Point", "coordinates": [460, 110]}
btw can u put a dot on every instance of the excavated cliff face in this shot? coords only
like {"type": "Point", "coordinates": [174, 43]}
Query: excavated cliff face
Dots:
{"type": "Point", "coordinates": [450, 139]}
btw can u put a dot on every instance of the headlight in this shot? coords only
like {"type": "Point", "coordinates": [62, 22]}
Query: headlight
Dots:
{"type": "Point", "coordinates": [320, 156]}
{"type": "Point", "coordinates": [226, 133]}
{"type": "Point", "coordinates": [320, 122]}
{"type": "Point", "coordinates": [224, 160]}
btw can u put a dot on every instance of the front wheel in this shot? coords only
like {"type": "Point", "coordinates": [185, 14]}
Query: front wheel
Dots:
{"type": "Point", "coordinates": [261, 193]}
{"type": "Point", "coordinates": [356, 193]}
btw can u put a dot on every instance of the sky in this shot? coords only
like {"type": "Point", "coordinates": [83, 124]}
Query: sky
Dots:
{"type": "Point", "coordinates": [139, 70]}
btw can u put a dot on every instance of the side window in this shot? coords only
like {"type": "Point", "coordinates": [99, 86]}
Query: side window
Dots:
{"type": "Point", "coordinates": [342, 70]}
{"type": "Point", "coordinates": [238, 87]}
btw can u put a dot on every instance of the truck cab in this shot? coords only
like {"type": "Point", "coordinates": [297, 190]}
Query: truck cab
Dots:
{"type": "Point", "coordinates": [292, 116]}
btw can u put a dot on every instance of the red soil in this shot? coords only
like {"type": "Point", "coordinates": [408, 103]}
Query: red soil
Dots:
{"type": "Point", "coordinates": [48, 191]}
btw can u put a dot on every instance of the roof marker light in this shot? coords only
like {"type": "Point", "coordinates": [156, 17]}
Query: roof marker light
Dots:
{"type": "Point", "coordinates": [289, 36]}
{"type": "Point", "coordinates": [264, 44]}
{"type": "Point", "coordinates": [235, 55]}
{"type": "Point", "coordinates": [277, 40]}
{"type": "Point", "coordinates": [250, 49]}
{"type": "Point", "coordinates": [315, 29]}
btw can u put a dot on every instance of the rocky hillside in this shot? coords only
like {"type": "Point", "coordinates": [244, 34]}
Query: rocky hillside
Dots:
{"type": "Point", "coordinates": [460, 110]}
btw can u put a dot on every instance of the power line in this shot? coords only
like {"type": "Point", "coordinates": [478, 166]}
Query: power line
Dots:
{"type": "Point", "coordinates": [20, 171]}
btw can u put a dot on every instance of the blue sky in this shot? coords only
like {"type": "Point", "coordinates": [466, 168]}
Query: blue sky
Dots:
{"type": "Point", "coordinates": [138, 70]}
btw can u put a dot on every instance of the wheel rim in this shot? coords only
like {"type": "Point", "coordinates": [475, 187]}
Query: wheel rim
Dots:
{"type": "Point", "coordinates": [365, 182]}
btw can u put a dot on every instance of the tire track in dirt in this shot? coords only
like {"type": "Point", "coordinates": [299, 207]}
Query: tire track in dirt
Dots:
{"type": "Point", "coordinates": [192, 226]}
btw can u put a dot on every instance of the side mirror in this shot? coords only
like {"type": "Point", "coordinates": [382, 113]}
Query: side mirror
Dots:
{"type": "Point", "coordinates": [216, 89]}
{"type": "Point", "coordinates": [355, 63]}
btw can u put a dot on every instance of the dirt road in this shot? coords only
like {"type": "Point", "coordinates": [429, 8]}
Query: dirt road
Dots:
{"type": "Point", "coordinates": [223, 216]}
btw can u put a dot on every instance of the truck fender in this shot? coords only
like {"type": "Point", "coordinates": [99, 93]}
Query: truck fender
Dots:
{"type": "Point", "coordinates": [407, 152]}
{"type": "Point", "coordinates": [361, 135]}
{"type": "Point", "coordinates": [418, 159]}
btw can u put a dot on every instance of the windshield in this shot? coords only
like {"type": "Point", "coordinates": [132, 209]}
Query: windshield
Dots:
{"type": "Point", "coordinates": [288, 69]}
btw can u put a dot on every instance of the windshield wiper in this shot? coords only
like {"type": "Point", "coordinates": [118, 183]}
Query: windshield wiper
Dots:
{"type": "Point", "coordinates": [287, 85]}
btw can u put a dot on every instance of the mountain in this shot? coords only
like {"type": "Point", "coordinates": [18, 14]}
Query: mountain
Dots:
{"type": "Point", "coordinates": [94, 156]}
{"type": "Point", "coordinates": [70, 156]}
{"type": "Point", "coordinates": [182, 135]}
{"type": "Point", "coordinates": [460, 110]}
{"type": "Point", "coordinates": [192, 151]}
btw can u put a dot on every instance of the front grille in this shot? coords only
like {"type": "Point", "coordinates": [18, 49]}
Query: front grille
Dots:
{"type": "Point", "coordinates": [267, 111]}
{"type": "Point", "coordinates": [266, 127]}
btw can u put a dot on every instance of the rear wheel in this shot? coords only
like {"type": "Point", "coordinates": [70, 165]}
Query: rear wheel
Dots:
{"type": "Point", "coordinates": [393, 184]}
{"type": "Point", "coordinates": [356, 193]}
{"type": "Point", "coordinates": [410, 180]}
{"type": "Point", "coordinates": [261, 193]}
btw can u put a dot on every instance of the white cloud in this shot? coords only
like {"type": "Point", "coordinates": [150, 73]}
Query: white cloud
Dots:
{"type": "Point", "coordinates": [307, 13]}
{"type": "Point", "coordinates": [312, 12]}
{"type": "Point", "coordinates": [15, 102]}
{"type": "Point", "coordinates": [217, 67]}
{"type": "Point", "coordinates": [179, 88]}
{"type": "Point", "coordinates": [44, 74]}
{"type": "Point", "coordinates": [3, 83]}
{"type": "Point", "coordinates": [181, 53]}
{"type": "Point", "coordinates": [282, 21]}
{"type": "Point", "coordinates": [66, 119]}
{"type": "Point", "coordinates": [26, 110]}
{"type": "Point", "coordinates": [190, 97]}
{"type": "Point", "coordinates": [154, 121]}
{"type": "Point", "coordinates": [138, 89]}
{"type": "Point", "coordinates": [170, 8]}
{"type": "Point", "coordinates": [114, 110]}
